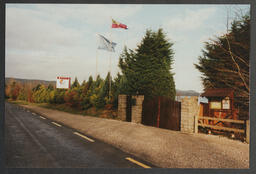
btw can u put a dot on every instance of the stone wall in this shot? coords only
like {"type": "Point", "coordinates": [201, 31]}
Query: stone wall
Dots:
{"type": "Point", "coordinates": [189, 109]}
{"type": "Point", "coordinates": [122, 107]}
{"type": "Point", "coordinates": [136, 112]}
{"type": "Point", "coordinates": [137, 109]}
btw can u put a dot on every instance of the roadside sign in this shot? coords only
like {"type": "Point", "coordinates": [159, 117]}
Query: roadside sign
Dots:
{"type": "Point", "coordinates": [215, 105]}
{"type": "Point", "coordinates": [63, 82]}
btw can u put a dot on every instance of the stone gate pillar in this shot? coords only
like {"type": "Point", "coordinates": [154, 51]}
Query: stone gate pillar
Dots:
{"type": "Point", "coordinates": [137, 108]}
{"type": "Point", "coordinates": [189, 109]}
{"type": "Point", "coordinates": [122, 107]}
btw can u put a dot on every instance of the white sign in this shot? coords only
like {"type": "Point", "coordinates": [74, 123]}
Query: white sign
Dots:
{"type": "Point", "coordinates": [63, 82]}
{"type": "Point", "coordinates": [215, 105]}
{"type": "Point", "coordinates": [226, 104]}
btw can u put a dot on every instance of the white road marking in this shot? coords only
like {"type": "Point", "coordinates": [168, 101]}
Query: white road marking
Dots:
{"type": "Point", "coordinates": [33, 113]}
{"type": "Point", "coordinates": [89, 139]}
{"type": "Point", "coordinates": [56, 124]}
{"type": "Point", "coordinates": [137, 162]}
{"type": "Point", "coordinates": [42, 117]}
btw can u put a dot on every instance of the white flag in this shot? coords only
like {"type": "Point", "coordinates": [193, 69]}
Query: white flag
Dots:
{"type": "Point", "coordinates": [105, 44]}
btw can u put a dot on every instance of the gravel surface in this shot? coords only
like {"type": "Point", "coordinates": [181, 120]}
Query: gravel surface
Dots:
{"type": "Point", "coordinates": [162, 147]}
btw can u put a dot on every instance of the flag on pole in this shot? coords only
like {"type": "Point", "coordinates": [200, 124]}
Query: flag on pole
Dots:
{"type": "Point", "coordinates": [105, 44]}
{"type": "Point", "coordinates": [116, 24]}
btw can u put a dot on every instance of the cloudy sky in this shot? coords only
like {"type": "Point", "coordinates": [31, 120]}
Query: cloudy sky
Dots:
{"type": "Point", "coordinates": [44, 41]}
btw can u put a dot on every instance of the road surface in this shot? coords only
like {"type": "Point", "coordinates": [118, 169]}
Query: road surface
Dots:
{"type": "Point", "coordinates": [33, 141]}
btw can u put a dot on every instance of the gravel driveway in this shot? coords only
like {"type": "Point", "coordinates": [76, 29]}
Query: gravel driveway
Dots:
{"type": "Point", "coordinates": [164, 148]}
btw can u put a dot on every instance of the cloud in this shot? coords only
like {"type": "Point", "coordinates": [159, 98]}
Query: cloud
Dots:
{"type": "Point", "coordinates": [56, 27]}
{"type": "Point", "coordinates": [36, 42]}
{"type": "Point", "coordinates": [26, 30]}
{"type": "Point", "coordinates": [40, 35]}
{"type": "Point", "coordinates": [95, 14]}
{"type": "Point", "coordinates": [189, 20]}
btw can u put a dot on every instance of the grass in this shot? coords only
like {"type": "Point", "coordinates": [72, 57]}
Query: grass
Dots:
{"type": "Point", "coordinates": [65, 108]}
{"type": "Point", "coordinates": [102, 113]}
{"type": "Point", "coordinates": [20, 102]}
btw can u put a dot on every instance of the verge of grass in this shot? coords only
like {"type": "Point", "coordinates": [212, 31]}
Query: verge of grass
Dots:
{"type": "Point", "coordinates": [64, 108]}
{"type": "Point", "coordinates": [102, 113]}
{"type": "Point", "coordinates": [19, 102]}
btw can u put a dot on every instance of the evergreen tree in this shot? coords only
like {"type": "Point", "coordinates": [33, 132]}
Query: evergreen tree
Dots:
{"type": "Point", "coordinates": [36, 88]}
{"type": "Point", "coordinates": [83, 83]}
{"type": "Point", "coordinates": [103, 95]}
{"type": "Point", "coordinates": [58, 96]}
{"type": "Point", "coordinates": [147, 70]}
{"type": "Point", "coordinates": [50, 87]}
{"type": "Point", "coordinates": [87, 92]}
{"type": "Point", "coordinates": [95, 90]}
{"type": "Point", "coordinates": [40, 95]}
{"type": "Point", "coordinates": [118, 87]}
{"type": "Point", "coordinates": [22, 94]}
{"type": "Point", "coordinates": [75, 83]}
{"type": "Point", "coordinates": [90, 82]}
{"type": "Point", "coordinates": [225, 63]}
{"type": "Point", "coordinates": [97, 82]}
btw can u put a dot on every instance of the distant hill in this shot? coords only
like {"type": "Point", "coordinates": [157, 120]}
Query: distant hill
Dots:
{"type": "Point", "coordinates": [31, 82]}
{"type": "Point", "coordinates": [186, 93]}
{"type": "Point", "coordinates": [34, 82]}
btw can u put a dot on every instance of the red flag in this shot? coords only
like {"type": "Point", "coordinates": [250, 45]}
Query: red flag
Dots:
{"type": "Point", "coordinates": [116, 24]}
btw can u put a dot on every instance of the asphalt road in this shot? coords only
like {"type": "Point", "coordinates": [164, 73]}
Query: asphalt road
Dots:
{"type": "Point", "coordinates": [32, 141]}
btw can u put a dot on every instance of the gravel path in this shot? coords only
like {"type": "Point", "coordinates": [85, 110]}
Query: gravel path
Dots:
{"type": "Point", "coordinates": [164, 148]}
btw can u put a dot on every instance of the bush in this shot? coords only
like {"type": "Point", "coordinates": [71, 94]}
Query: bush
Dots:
{"type": "Point", "coordinates": [15, 89]}
{"type": "Point", "coordinates": [72, 98]}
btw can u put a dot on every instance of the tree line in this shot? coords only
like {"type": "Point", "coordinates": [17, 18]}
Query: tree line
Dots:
{"type": "Point", "coordinates": [91, 93]}
{"type": "Point", "coordinates": [144, 71]}
{"type": "Point", "coordinates": [147, 70]}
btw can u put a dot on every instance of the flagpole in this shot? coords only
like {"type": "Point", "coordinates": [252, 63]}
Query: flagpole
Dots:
{"type": "Point", "coordinates": [109, 76]}
{"type": "Point", "coordinates": [96, 74]}
{"type": "Point", "coordinates": [110, 71]}
{"type": "Point", "coordinates": [110, 64]}
{"type": "Point", "coordinates": [125, 38]}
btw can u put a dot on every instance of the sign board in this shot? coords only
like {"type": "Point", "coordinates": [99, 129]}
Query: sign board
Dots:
{"type": "Point", "coordinates": [63, 82]}
{"type": "Point", "coordinates": [215, 105]}
{"type": "Point", "coordinates": [226, 103]}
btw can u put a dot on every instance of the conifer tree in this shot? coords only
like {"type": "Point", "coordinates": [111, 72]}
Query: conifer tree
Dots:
{"type": "Point", "coordinates": [75, 83]}
{"type": "Point", "coordinates": [83, 83]}
{"type": "Point", "coordinates": [102, 97]}
{"type": "Point", "coordinates": [225, 63]}
{"type": "Point", "coordinates": [147, 70]}
{"type": "Point", "coordinates": [94, 90]}
{"type": "Point", "coordinates": [118, 87]}
{"type": "Point", "coordinates": [50, 87]}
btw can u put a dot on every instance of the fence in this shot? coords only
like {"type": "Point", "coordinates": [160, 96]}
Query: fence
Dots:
{"type": "Point", "coordinates": [245, 130]}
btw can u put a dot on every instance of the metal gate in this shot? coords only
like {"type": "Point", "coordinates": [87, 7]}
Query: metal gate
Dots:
{"type": "Point", "coordinates": [162, 112]}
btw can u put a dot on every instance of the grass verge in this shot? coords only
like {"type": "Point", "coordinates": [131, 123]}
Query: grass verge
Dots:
{"type": "Point", "coordinates": [102, 113]}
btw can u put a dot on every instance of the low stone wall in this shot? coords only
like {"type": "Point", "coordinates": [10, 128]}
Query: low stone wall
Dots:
{"type": "Point", "coordinates": [189, 109]}
{"type": "Point", "coordinates": [137, 109]}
